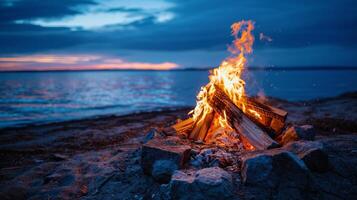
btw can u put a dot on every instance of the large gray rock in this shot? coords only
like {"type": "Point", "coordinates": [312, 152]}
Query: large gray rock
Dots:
{"type": "Point", "coordinates": [209, 183]}
{"type": "Point", "coordinates": [257, 169]}
{"type": "Point", "coordinates": [294, 133]}
{"type": "Point", "coordinates": [276, 170]}
{"type": "Point", "coordinates": [162, 170]}
{"type": "Point", "coordinates": [312, 153]}
{"type": "Point", "coordinates": [215, 182]}
{"type": "Point", "coordinates": [169, 149]}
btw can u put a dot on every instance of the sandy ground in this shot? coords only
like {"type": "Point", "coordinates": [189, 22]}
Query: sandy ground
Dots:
{"type": "Point", "coordinates": [99, 158]}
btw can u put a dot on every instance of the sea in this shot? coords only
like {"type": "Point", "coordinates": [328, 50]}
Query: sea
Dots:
{"type": "Point", "coordinates": [44, 97]}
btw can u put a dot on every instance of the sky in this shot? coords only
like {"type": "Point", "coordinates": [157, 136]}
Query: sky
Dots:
{"type": "Point", "coordinates": [171, 34]}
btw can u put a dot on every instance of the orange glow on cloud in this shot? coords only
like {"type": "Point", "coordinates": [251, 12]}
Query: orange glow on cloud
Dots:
{"type": "Point", "coordinates": [79, 62]}
{"type": "Point", "coordinates": [50, 59]}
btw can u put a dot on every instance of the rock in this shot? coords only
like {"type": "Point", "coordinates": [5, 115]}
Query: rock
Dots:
{"type": "Point", "coordinates": [169, 149]}
{"type": "Point", "coordinates": [162, 170]}
{"type": "Point", "coordinates": [165, 192]}
{"type": "Point", "coordinates": [153, 133]}
{"type": "Point", "coordinates": [312, 153]}
{"type": "Point", "coordinates": [276, 170]}
{"type": "Point", "coordinates": [294, 133]}
{"type": "Point", "coordinates": [181, 185]}
{"type": "Point", "coordinates": [257, 169]}
{"type": "Point", "coordinates": [209, 183]}
{"type": "Point", "coordinates": [216, 183]}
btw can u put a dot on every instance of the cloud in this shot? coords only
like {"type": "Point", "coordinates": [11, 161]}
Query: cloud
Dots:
{"type": "Point", "coordinates": [12, 10]}
{"type": "Point", "coordinates": [76, 62]}
{"type": "Point", "coordinates": [50, 59]}
{"type": "Point", "coordinates": [104, 13]}
{"type": "Point", "coordinates": [172, 27]}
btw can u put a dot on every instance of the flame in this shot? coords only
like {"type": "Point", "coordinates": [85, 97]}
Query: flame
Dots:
{"type": "Point", "coordinates": [228, 76]}
{"type": "Point", "coordinates": [255, 114]}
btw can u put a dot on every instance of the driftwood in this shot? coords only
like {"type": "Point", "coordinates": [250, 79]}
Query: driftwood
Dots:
{"type": "Point", "coordinates": [250, 134]}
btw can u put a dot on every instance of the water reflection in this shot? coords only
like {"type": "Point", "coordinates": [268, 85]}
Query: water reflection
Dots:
{"type": "Point", "coordinates": [51, 96]}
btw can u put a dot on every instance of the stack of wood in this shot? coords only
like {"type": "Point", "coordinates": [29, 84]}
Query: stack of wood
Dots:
{"type": "Point", "coordinates": [253, 132]}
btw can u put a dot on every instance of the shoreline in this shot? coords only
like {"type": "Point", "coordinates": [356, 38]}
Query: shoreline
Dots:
{"type": "Point", "coordinates": [90, 118]}
{"type": "Point", "coordinates": [352, 94]}
{"type": "Point", "coordinates": [100, 157]}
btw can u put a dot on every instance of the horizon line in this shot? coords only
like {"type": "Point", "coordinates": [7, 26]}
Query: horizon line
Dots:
{"type": "Point", "coordinates": [253, 68]}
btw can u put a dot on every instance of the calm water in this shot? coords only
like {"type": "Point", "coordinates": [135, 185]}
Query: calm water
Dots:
{"type": "Point", "coordinates": [55, 96]}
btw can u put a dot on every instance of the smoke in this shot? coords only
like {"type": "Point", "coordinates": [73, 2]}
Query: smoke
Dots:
{"type": "Point", "coordinates": [263, 37]}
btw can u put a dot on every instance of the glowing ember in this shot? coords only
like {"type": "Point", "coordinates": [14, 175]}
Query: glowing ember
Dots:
{"type": "Point", "coordinates": [228, 77]}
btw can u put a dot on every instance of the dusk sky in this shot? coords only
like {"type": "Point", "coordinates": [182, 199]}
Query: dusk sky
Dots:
{"type": "Point", "coordinates": [167, 34]}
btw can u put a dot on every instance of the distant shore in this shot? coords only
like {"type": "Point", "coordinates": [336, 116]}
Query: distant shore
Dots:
{"type": "Point", "coordinates": [253, 68]}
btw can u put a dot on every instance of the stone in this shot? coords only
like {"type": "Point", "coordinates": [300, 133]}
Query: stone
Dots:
{"type": "Point", "coordinates": [151, 134]}
{"type": "Point", "coordinates": [165, 192]}
{"type": "Point", "coordinates": [312, 153]}
{"type": "Point", "coordinates": [276, 170]}
{"type": "Point", "coordinates": [181, 186]}
{"type": "Point", "coordinates": [214, 182]}
{"type": "Point", "coordinates": [257, 169]}
{"type": "Point", "coordinates": [208, 183]}
{"type": "Point", "coordinates": [169, 149]}
{"type": "Point", "coordinates": [162, 170]}
{"type": "Point", "coordinates": [294, 133]}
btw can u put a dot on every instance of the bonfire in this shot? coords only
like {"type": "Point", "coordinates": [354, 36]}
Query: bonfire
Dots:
{"type": "Point", "coordinates": [224, 111]}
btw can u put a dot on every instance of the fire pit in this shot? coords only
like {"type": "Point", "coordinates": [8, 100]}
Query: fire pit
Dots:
{"type": "Point", "coordinates": [230, 133]}
{"type": "Point", "coordinates": [223, 109]}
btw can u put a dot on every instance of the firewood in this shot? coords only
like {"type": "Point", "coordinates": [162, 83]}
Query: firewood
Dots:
{"type": "Point", "coordinates": [180, 128]}
{"type": "Point", "coordinates": [201, 127]}
{"type": "Point", "coordinates": [250, 134]}
{"type": "Point", "coordinates": [270, 116]}
{"type": "Point", "coordinates": [266, 110]}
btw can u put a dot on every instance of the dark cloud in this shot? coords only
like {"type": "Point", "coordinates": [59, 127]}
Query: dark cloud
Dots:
{"type": "Point", "coordinates": [291, 24]}
{"type": "Point", "coordinates": [197, 25]}
{"type": "Point", "coordinates": [124, 9]}
{"type": "Point", "coordinates": [34, 9]}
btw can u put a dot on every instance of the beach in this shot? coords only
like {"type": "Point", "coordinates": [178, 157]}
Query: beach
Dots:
{"type": "Point", "coordinates": [99, 157]}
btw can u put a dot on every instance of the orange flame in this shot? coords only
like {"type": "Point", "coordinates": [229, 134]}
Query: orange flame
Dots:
{"type": "Point", "coordinates": [228, 75]}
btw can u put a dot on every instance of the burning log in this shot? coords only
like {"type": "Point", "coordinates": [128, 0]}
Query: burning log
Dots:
{"type": "Point", "coordinates": [180, 128]}
{"type": "Point", "coordinates": [250, 133]}
{"type": "Point", "coordinates": [201, 127]}
{"type": "Point", "coordinates": [270, 116]}
{"type": "Point", "coordinates": [221, 103]}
